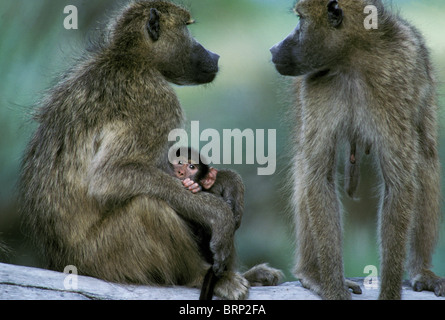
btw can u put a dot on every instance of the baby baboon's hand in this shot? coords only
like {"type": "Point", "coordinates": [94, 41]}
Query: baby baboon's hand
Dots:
{"type": "Point", "coordinates": [191, 185]}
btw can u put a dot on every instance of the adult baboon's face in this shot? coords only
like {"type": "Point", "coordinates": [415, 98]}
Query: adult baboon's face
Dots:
{"type": "Point", "coordinates": [315, 41]}
{"type": "Point", "coordinates": [179, 57]}
{"type": "Point", "coordinates": [158, 35]}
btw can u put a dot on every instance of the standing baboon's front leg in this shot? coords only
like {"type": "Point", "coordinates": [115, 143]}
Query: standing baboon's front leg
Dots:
{"type": "Point", "coordinates": [396, 215]}
{"type": "Point", "coordinates": [322, 213]}
{"type": "Point", "coordinates": [307, 269]}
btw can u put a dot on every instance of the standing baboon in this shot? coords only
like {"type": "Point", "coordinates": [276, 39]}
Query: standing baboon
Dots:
{"type": "Point", "coordinates": [94, 190]}
{"type": "Point", "coordinates": [372, 89]}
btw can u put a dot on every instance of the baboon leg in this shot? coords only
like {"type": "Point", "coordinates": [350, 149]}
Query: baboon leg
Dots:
{"type": "Point", "coordinates": [320, 239]}
{"type": "Point", "coordinates": [425, 229]}
{"type": "Point", "coordinates": [144, 255]}
{"type": "Point", "coordinates": [324, 220]}
{"type": "Point", "coordinates": [306, 268]}
{"type": "Point", "coordinates": [396, 212]}
{"type": "Point", "coordinates": [231, 285]}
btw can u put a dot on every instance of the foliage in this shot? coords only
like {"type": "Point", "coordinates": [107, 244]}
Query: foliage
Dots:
{"type": "Point", "coordinates": [246, 94]}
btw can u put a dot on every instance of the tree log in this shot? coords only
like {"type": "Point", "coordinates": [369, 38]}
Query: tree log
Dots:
{"type": "Point", "coordinates": [28, 283]}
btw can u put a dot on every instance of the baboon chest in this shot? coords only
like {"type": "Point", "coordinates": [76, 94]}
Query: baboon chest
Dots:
{"type": "Point", "coordinates": [342, 104]}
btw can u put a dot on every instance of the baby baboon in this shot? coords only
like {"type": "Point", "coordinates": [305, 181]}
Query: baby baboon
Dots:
{"type": "Point", "coordinates": [94, 189]}
{"type": "Point", "coordinates": [196, 176]}
{"type": "Point", "coordinates": [371, 89]}
{"type": "Point", "coordinates": [229, 186]}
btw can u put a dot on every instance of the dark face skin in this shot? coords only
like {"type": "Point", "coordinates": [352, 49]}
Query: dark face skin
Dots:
{"type": "Point", "coordinates": [160, 37]}
{"type": "Point", "coordinates": [204, 64]}
{"type": "Point", "coordinates": [189, 63]}
{"type": "Point", "coordinates": [285, 55]}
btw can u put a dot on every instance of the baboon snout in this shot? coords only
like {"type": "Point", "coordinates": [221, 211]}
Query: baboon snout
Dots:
{"type": "Point", "coordinates": [281, 59]}
{"type": "Point", "coordinates": [206, 61]}
{"type": "Point", "coordinates": [273, 50]}
{"type": "Point", "coordinates": [181, 172]}
{"type": "Point", "coordinates": [205, 64]}
{"type": "Point", "coordinates": [215, 58]}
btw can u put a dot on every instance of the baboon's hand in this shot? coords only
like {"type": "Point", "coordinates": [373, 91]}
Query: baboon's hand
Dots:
{"type": "Point", "coordinates": [191, 185]}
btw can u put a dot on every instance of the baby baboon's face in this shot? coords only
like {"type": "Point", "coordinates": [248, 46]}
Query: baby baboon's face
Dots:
{"type": "Point", "coordinates": [185, 169]}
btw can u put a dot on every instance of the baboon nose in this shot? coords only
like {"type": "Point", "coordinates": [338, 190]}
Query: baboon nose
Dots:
{"type": "Point", "coordinates": [273, 50]}
{"type": "Point", "coordinates": [214, 57]}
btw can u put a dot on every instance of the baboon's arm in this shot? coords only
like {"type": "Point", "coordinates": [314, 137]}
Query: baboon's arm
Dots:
{"type": "Point", "coordinates": [117, 173]}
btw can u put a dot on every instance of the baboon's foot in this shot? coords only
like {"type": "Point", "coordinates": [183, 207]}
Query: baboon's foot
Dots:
{"type": "Point", "coordinates": [428, 281]}
{"type": "Point", "coordinates": [232, 286]}
{"type": "Point", "coordinates": [354, 286]}
{"type": "Point", "coordinates": [331, 293]}
{"type": "Point", "coordinates": [263, 275]}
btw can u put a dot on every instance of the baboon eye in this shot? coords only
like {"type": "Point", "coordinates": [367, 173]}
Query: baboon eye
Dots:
{"type": "Point", "coordinates": [179, 162]}
{"type": "Point", "coordinates": [192, 167]}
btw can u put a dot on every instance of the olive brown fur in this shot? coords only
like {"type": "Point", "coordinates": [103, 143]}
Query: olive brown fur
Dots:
{"type": "Point", "coordinates": [373, 90]}
{"type": "Point", "coordinates": [94, 191]}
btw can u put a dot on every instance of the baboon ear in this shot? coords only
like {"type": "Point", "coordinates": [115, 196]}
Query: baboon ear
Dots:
{"type": "Point", "coordinates": [335, 13]}
{"type": "Point", "coordinates": [153, 24]}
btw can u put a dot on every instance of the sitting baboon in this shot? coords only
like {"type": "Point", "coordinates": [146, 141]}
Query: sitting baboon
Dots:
{"type": "Point", "coordinates": [369, 88]}
{"type": "Point", "coordinates": [94, 191]}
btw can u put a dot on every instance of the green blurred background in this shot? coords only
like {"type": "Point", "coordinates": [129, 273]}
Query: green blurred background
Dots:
{"type": "Point", "coordinates": [247, 93]}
